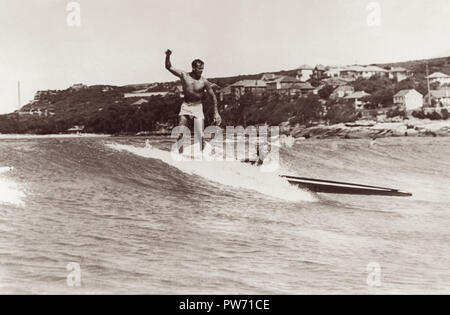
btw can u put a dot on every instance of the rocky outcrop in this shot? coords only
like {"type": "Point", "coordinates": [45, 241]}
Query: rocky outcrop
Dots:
{"type": "Point", "coordinates": [408, 128]}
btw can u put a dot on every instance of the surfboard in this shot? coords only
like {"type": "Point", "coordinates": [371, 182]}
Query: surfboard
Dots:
{"type": "Point", "coordinates": [334, 187]}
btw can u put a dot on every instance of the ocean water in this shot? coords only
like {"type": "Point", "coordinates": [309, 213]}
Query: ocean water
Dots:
{"type": "Point", "coordinates": [136, 222]}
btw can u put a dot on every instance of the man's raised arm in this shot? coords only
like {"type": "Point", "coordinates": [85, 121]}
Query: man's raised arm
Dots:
{"type": "Point", "coordinates": [169, 65]}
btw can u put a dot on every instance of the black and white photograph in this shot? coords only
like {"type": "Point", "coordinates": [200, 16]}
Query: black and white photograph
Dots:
{"type": "Point", "coordinates": [224, 148]}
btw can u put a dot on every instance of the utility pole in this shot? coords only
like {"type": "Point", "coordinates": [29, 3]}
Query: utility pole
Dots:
{"type": "Point", "coordinates": [18, 94]}
{"type": "Point", "coordinates": [428, 84]}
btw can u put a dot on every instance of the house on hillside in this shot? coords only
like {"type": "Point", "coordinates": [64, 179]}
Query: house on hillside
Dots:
{"type": "Point", "coordinates": [408, 100]}
{"type": "Point", "coordinates": [140, 102]}
{"type": "Point", "coordinates": [224, 94]}
{"type": "Point", "coordinates": [78, 87]}
{"type": "Point", "coordinates": [287, 81]}
{"type": "Point", "coordinates": [307, 88]}
{"type": "Point", "coordinates": [76, 129]}
{"type": "Point", "coordinates": [107, 88]}
{"type": "Point", "coordinates": [274, 85]}
{"type": "Point", "coordinates": [256, 87]}
{"type": "Point", "coordinates": [334, 82]}
{"type": "Point", "coordinates": [300, 88]}
{"type": "Point", "coordinates": [269, 77]}
{"type": "Point", "coordinates": [144, 94]}
{"type": "Point", "coordinates": [351, 72]}
{"type": "Point", "coordinates": [357, 97]}
{"type": "Point", "coordinates": [342, 91]}
{"type": "Point", "coordinates": [355, 71]}
{"type": "Point", "coordinates": [439, 77]}
{"type": "Point", "coordinates": [370, 71]}
{"type": "Point", "coordinates": [399, 73]}
{"type": "Point", "coordinates": [319, 72]}
{"type": "Point", "coordinates": [439, 98]}
{"type": "Point", "coordinates": [305, 72]}
{"type": "Point", "coordinates": [35, 111]}
{"type": "Point", "coordinates": [333, 72]}
{"type": "Point", "coordinates": [287, 85]}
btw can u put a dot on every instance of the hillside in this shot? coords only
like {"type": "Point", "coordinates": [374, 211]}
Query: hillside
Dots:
{"type": "Point", "coordinates": [441, 64]}
{"type": "Point", "coordinates": [98, 108]}
{"type": "Point", "coordinates": [105, 109]}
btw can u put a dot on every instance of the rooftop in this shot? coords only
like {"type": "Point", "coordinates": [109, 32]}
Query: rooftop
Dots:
{"type": "Point", "coordinates": [321, 67]}
{"type": "Point", "coordinates": [397, 69]}
{"type": "Point", "coordinates": [250, 83]}
{"type": "Point", "coordinates": [343, 88]}
{"type": "Point", "coordinates": [305, 67]}
{"type": "Point", "coordinates": [358, 94]}
{"type": "Point", "coordinates": [375, 69]}
{"type": "Point", "coordinates": [288, 79]}
{"type": "Point", "coordinates": [140, 102]}
{"type": "Point", "coordinates": [335, 81]}
{"type": "Point", "coordinates": [405, 92]}
{"type": "Point", "coordinates": [437, 75]}
{"type": "Point", "coordinates": [302, 86]}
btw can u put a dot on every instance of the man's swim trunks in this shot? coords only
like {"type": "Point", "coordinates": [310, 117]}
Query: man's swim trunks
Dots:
{"type": "Point", "coordinates": [194, 109]}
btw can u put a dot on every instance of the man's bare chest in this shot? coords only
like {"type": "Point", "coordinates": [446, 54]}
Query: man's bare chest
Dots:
{"type": "Point", "coordinates": [193, 84]}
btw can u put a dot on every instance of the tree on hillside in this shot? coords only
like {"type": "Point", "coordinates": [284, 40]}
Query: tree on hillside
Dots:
{"type": "Point", "coordinates": [326, 91]}
{"type": "Point", "coordinates": [434, 86]}
{"type": "Point", "coordinates": [383, 97]}
{"type": "Point", "coordinates": [282, 111]}
{"type": "Point", "coordinates": [406, 84]}
{"type": "Point", "coordinates": [341, 112]}
{"type": "Point", "coordinates": [372, 84]}
{"type": "Point", "coordinates": [245, 107]}
{"type": "Point", "coordinates": [314, 82]}
{"type": "Point", "coordinates": [308, 109]}
{"type": "Point", "coordinates": [422, 88]}
{"type": "Point", "coordinates": [396, 112]}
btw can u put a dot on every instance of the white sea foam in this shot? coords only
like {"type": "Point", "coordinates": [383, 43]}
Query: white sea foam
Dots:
{"type": "Point", "coordinates": [231, 173]}
{"type": "Point", "coordinates": [10, 192]}
{"type": "Point", "coordinates": [4, 169]}
{"type": "Point", "coordinates": [30, 136]}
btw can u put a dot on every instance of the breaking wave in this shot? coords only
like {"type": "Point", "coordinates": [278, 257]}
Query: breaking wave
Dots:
{"type": "Point", "coordinates": [231, 173]}
{"type": "Point", "coordinates": [10, 192]}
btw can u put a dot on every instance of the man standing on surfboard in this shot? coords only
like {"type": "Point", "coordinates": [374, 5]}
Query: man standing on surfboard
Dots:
{"type": "Point", "coordinates": [194, 85]}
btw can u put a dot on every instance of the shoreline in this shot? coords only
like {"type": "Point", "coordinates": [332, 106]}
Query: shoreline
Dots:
{"type": "Point", "coordinates": [363, 129]}
{"type": "Point", "coordinates": [5, 136]}
{"type": "Point", "coordinates": [371, 130]}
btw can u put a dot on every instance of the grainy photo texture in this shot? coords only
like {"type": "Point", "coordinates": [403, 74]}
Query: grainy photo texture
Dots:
{"type": "Point", "coordinates": [248, 147]}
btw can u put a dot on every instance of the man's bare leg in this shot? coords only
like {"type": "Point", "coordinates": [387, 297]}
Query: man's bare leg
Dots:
{"type": "Point", "coordinates": [198, 132]}
{"type": "Point", "coordinates": [182, 122]}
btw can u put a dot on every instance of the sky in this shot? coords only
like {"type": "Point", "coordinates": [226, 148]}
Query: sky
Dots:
{"type": "Point", "coordinates": [123, 42]}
